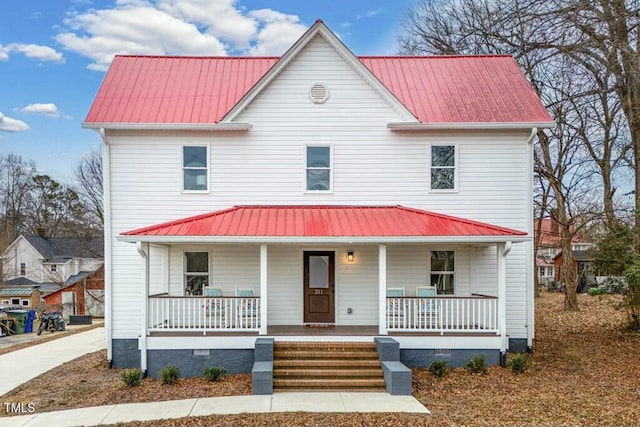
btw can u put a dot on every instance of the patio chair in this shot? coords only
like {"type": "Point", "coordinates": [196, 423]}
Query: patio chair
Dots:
{"type": "Point", "coordinates": [214, 305]}
{"type": "Point", "coordinates": [395, 308]}
{"type": "Point", "coordinates": [246, 307]}
{"type": "Point", "coordinates": [427, 310]}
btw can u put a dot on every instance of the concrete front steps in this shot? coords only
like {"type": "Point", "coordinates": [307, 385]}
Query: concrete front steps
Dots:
{"type": "Point", "coordinates": [323, 366]}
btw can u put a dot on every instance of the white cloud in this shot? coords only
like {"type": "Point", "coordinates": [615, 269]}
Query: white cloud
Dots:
{"type": "Point", "coordinates": [33, 51]}
{"type": "Point", "coordinates": [177, 27]}
{"type": "Point", "coordinates": [48, 109]}
{"type": "Point", "coordinates": [7, 124]}
{"type": "Point", "coordinates": [278, 32]}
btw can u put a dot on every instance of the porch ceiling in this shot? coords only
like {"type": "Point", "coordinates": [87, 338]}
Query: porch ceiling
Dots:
{"type": "Point", "coordinates": [323, 224]}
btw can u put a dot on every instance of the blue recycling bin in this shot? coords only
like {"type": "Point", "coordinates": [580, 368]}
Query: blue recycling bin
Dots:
{"type": "Point", "coordinates": [31, 315]}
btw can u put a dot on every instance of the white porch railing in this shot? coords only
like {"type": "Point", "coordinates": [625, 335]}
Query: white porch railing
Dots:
{"type": "Point", "coordinates": [442, 314]}
{"type": "Point", "coordinates": [203, 314]}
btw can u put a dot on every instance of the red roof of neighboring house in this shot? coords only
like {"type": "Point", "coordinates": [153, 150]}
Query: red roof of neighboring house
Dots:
{"type": "Point", "coordinates": [550, 233]}
{"type": "Point", "coordinates": [323, 221]}
{"type": "Point", "coordinates": [202, 90]}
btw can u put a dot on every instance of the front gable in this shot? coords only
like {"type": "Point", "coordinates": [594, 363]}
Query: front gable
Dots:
{"type": "Point", "coordinates": [319, 69]}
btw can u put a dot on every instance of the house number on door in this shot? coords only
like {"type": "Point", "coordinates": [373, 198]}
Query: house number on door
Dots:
{"type": "Point", "coordinates": [318, 292]}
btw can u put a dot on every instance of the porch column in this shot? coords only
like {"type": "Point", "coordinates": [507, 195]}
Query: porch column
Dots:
{"type": "Point", "coordinates": [143, 250]}
{"type": "Point", "coordinates": [382, 290]}
{"type": "Point", "coordinates": [263, 289]}
{"type": "Point", "coordinates": [502, 250]}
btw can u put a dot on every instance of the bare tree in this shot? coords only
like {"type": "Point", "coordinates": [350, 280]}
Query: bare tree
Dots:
{"type": "Point", "coordinates": [88, 176]}
{"type": "Point", "coordinates": [569, 158]}
{"type": "Point", "coordinates": [15, 185]}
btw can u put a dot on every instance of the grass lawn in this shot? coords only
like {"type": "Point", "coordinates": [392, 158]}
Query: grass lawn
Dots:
{"type": "Point", "coordinates": [585, 371]}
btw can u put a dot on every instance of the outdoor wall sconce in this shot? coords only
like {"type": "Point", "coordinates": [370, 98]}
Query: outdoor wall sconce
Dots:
{"type": "Point", "coordinates": [350, 256]}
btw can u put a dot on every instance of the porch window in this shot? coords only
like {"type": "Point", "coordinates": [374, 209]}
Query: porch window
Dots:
{"type": "Point", "coordinates": [443, 167]}
{"type": "Point", "coordinates": [196, 273]}
{"type": "Point", "coordinates": [195, 172]}
{"type": "Point", "coordinates": [443, 271]}
{"type": "Point", "coordinates": [319, 168]}
{"type": "Point", "coordinates": [23, 268]}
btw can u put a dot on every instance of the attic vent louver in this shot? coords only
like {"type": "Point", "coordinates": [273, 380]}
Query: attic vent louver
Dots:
{"type": "Point", "coordinates": [318, 93]}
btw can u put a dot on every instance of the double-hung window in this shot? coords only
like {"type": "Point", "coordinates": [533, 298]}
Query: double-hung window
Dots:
{"type": "Point", "coordinates": [318, 168]}
{"type": "Point", "coordinates": [195, 168]}
{"type": "Point", "coordinates": [443, 167]}
{"type": "Point", "coordinates": [23, 268]}
{"type": "Point", "coordinates": [196, 272]}
{"type": "Point", "coordinates": [443, 272]}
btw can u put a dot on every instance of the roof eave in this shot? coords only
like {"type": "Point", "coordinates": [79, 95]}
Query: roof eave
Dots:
{"type": "Point", "coordinates": [226, 126]}
{"type": "Point", "coordinates": [323, 239]}
{"type": "Point", "coordinates": [411, 126]}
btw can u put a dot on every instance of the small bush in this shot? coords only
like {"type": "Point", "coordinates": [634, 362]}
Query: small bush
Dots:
{"type": "Point", "coordinates": [595, 291]}
{"type": "Point", "coordinates": [518, 362]}
{"type": "Point", "coordinates": [169, 374]}
{"type": "Point", "coordinates": [214, 373]}
{"type": "Point", "coordinates": [477, 364]}
{"type": "Point", "coordinates": [438, 368]}
{"type": "Point", "coordinates": [131, 377]}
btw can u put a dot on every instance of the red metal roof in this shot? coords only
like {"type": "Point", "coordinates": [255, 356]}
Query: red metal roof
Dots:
{"type": "Point", "coordinates": [323, 221]}
{"type": "Point", "coordinates": [201, 90]}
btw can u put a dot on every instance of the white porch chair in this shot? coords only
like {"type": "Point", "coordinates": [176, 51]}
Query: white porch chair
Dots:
{"type": "Point", "coordinates": [395, 308]}
{"type": "Point", "coordinates": [214, 307]}
{"type": "Point", "coordinates": [246, 306]}
{"type": "Point", "coordinates": [427, 310]}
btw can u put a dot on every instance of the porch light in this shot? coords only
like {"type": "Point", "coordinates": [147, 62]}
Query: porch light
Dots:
{"type": "Point", "coordinates": [350, 256]}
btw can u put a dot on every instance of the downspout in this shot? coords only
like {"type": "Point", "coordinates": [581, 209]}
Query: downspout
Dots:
{"type": "Point", "coordinates": [503, 251]}
{"type": "Point", "coordinates": [106, 200]}
{"type": "Point", "coordinates": [143, 250]}
{"type": "Point", "coordinates": [531, 270]}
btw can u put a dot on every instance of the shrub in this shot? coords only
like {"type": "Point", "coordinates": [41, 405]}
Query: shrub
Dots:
{"type": "Point", "coordinates": [477, 364]}
{"type": "Point", "coordinates": [518, 362]}
{"type": "Point", "coordinates": [131, 377]}
{"type": "Point", "coordinates": [169, 374]}
{"type": "Point", "coordinates": [595, 291]}
{"type": "Point", "coordinates": [631, 299]}
{"type": "Point", "coordinates": [214, 373]}
{"type": "Point", "coordinates": [438, 368]}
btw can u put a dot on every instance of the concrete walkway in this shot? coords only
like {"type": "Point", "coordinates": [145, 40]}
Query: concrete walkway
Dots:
{"type": "Point", "coordinates": [18, 367]}
{"type": "Point", "coordinates": [34, 361]}
{"type": "Point", "coordinates": [278, 402]}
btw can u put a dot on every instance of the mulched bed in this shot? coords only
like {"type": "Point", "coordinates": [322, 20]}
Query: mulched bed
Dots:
{"type": "Point", "coordinates": [585, 371]}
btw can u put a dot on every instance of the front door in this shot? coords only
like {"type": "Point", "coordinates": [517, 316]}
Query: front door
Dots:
{"type": "Point", "coordinates": [319, 287]}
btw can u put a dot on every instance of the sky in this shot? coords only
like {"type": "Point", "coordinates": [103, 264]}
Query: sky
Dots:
{"type": "Point", "coordinates": [54, 54]}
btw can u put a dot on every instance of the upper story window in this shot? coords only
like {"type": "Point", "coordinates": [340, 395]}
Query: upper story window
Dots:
{"type": "Point", "coordinates": [196, 272]}
{"type": "Point", "coordinates": [54, 268]}
{"type": "Point", "coordinates": [23, 268]}
{"type": "Point", "coordinates": [319, 168]}
{"type": "Point", "coordinates": [443, 167]}
{"type": "Point", "coordinates": [195, 168]}
{"type": "Point", "coordinates": [443, 272]}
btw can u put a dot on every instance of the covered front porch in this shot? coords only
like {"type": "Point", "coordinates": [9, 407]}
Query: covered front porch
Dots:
{"type": "Point", "coordinates": [331, 271]}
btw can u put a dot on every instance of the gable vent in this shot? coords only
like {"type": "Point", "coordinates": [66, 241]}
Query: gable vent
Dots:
{"type": "Point", "coordinates": [318, 93]}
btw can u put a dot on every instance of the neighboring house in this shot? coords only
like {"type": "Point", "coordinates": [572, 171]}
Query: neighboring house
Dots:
{"type": "Point", "coordinates": [54, 265]}
{"type": "Point", "coordinates": [547, 264]}
{"type": "Point", "coordinates": [583, 266]}
{"type": "Point", "coordinates": [84, 294]}
{"type": "Point", "coordinates": [27, 297]}
{"type": "Point", "coordinates": [251, 197]}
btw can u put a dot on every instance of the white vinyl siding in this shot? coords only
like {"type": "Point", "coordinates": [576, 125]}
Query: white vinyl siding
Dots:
{"type": "Point", "coordinates": [371, 166]}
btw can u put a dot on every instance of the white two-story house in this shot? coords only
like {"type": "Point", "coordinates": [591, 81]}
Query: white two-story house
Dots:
{"type": "Point", "coordinates": [316, 196]}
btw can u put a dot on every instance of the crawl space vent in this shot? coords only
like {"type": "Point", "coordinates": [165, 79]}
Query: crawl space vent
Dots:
{"type": "Point", "coordinates": [318, 93]}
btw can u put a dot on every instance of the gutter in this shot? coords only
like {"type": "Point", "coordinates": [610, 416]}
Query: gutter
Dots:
{"type": "Point", "coordinates": [226, 126]}
{"type": "Point", "coordinates": [419, 126]}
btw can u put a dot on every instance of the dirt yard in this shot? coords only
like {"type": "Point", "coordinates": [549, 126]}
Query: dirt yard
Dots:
{"type": "Point", "coordinates": [585, 371]}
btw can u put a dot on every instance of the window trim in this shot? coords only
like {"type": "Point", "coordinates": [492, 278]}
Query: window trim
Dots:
{"type": "Point", "coordinates": [186, 274]}
{"type": "Point", "coordinates": [455, 167]}
{"type": "Point", "coordinates": [452, 273]}
{"type": "Point", "coordinates": [306, 168]}
{"type": "Point", "coordinates": [183, 168]}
